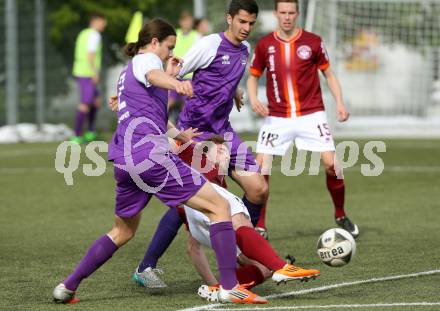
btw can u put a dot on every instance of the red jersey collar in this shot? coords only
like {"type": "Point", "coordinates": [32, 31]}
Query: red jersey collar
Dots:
{"type": "Point", "coordinates": [296, 37]}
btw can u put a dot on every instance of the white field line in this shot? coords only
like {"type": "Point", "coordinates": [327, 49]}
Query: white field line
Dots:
{"type": "Point", "coordinates": [374, 305]}
{"type": "Point", "coordinates": [387, 169]}
{"type": "Point", "coordinates": [326, 287]}
{"type": "Point", "coordinates": [109, 169]}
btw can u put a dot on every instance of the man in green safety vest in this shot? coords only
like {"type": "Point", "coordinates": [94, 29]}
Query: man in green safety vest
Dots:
{"type": "Point", "coordinates": [86, 69]}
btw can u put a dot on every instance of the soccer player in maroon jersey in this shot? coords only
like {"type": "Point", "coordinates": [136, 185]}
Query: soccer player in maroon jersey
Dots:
{"type": "Point", "coordinates": [292, 58]}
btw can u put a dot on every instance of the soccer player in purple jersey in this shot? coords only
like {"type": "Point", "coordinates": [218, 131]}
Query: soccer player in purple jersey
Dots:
{"type": "Point", "coordinates": [218, 62]}
{"type": "Point", "coordinates": [144, 166]}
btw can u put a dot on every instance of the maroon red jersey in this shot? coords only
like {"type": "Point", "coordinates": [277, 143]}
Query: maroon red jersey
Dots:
{"type": "Point", "coordinates": [292, 86]}
{"type": "Point", "coordinates": [187, 155]}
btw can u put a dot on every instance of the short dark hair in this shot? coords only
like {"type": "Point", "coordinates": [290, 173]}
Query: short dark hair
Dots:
{"type": "Point", "coordinates": [156, 28]}
{"type": "Point", "coordinates": [96, 15]}
{"type": "Point", "coordinates": [249, 6]}
{"type": "Point", "coordinates": [289, 1]}
{"type": "Point", "coordinates": [198, 21]}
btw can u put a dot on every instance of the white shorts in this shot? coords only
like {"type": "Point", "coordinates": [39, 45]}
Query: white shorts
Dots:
{"type": "Point", "coordinates": [310, 132]}
{"type": "Point", "coordinates": [198, 222]}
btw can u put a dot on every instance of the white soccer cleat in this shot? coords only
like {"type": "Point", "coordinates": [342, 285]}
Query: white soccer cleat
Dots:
{"type": "Point", "coordinates": [149, 278]}
{"type": "Point", "coordinates": [209, 293]}
{"type": "Point", "coordinates": [239, 294]}
{"type": "Point", "coordinates": [63, 295]}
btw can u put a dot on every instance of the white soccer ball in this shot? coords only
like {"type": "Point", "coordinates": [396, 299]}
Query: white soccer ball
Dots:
{"type": "Point", "coordinates": [336, 247]}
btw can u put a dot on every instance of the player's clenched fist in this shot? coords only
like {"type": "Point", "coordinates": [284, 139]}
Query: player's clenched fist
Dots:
{"type": "Point", "coordinates": [184, 88]}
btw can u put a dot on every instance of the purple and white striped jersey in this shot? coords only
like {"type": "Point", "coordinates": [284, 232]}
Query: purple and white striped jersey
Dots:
{"type": "Point", "coordinates": [142, 109]}
{"type": "Point", "coordinates": [218, 67]}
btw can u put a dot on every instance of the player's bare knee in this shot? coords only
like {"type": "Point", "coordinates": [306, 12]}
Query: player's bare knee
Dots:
{"type": "Point", "coordinates": [121, 235]}
{"type": "Point", "coordinates": [258, 192]}
{"type": "Point", "coordinates": [241, 220]}
{"type": "Point", "coordinates": [98, 102]}
{"type": "Point", "coordinates": [83, 108]}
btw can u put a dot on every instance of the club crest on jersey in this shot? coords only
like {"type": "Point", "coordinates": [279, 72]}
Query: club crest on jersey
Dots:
{"type": "Point", "coordinates": [244, 60]}
{"type": "Point", "coordinates": [304, 52]}
{"type": "Point", "coordinates": [271, 49]}
{"type": "Point", "coordinates": [226, 59]}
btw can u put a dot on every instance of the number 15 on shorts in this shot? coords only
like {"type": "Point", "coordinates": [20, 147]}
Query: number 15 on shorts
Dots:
{"type": "Point", "coordinates": [323, 130]}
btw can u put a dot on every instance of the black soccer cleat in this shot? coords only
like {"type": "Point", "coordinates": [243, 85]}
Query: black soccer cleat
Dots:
{"type": "Point", "coordinates": [290, 259]}
{"type": "Point", "coordinates": [346, 224]}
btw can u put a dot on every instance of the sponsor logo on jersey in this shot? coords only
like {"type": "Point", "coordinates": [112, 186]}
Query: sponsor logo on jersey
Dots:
{"type": "Point", "coordinates": [271, 49]}
{"type": "Point", "coordinates": [226, 59]}
{"type": "Point", "coordinates": [276, 91]}
{"type": "Point", "coordinates": [304, 52]}
{"type": "Point", "coordinates": [272, 63]}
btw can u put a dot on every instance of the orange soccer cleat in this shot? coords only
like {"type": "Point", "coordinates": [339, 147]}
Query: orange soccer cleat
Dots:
{"type": "Point", "coordinates": [292, 272]}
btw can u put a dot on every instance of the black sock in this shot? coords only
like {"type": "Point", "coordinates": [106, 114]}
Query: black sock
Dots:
{"type": "Point", "coordinates": [254, 210]}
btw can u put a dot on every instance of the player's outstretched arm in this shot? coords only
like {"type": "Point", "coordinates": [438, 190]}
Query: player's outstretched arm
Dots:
{"type": "Point", "coordinates": [335, 88]}
{"type": "Point", "coordinates": [198, 258]}
{"type": "Point", "coordinates": [252, 88]}
{"type": "Point", "coordinates": [163, 80]}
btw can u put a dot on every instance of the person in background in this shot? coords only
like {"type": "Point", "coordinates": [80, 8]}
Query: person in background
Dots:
{"type": "Point", "coordinates": [202, 26]}
{"type": "Point", "coordinates": [86, 70]}
{"type": "Point", "coordinates": [186, 37]}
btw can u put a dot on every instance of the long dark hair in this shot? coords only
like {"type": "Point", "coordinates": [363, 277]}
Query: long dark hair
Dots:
{"type": "Point", "coordinates": [156, 28]}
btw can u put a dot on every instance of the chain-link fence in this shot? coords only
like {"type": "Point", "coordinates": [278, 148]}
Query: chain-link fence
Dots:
{"type": "Point", "coordinates": [370, 43]}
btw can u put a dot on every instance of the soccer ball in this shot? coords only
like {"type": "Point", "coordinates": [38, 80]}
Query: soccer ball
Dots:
{"type": "Point", "coordinates": [336, 247]}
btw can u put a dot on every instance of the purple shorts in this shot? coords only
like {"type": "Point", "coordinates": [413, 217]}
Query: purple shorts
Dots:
{"type": "Point", "coordinates": [241, 156]}
{"type": "Point", "coordinates": [172, 181]}
{"type": "Point", "coordinates": [87, 90]}
{"type": "Point", "coordinates": [176, 97]}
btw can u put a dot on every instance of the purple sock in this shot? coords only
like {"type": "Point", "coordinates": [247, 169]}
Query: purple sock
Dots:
{"type": "Point", "coordinates": [165, 233]}
{"type": "Point", "coordinates": [79, 121]}
{"type": "Point", "coordinates": [100, 251]}
{"type": "Point", "coordinates": [225, 247]}
{"type": "Point", "coordinates": [92, 118]}
{"type": "Point", "coordinates": [254, 210]}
